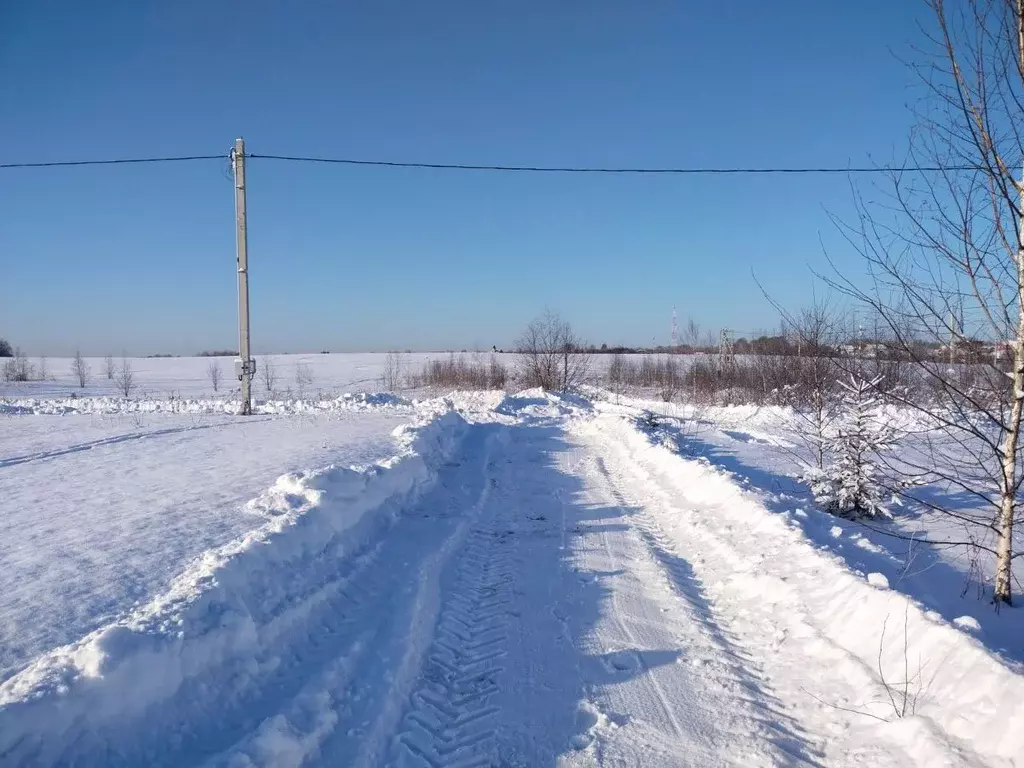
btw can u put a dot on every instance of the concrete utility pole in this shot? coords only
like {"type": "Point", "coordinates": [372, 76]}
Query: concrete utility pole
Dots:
{"type": "Point", "coordinates": [245, 366]}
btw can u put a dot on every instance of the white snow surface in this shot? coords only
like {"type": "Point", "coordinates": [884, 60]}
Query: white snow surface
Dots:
{"type": "Point", "coordinates": [159, 378]}
{"type": "Point", "coordinates": [761, 448]}
{"type": "Point", "coordinates": [529, 580]}
{"type": "Point", "coordinates": [345, 401]}
{"type": "Point", "coordinates": [98, 513]}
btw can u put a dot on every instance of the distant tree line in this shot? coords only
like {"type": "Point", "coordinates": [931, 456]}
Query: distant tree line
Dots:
{"type": "Point", "coordinates": [965, 350]}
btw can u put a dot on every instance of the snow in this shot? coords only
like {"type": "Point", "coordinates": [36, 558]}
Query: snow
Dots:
{"type": "Point", "coordinates": [520, 579]}
{"type": "Point", "coordinates": [878, 580]}
{"type": "Point", "coordinates": [208, 614]}
{"type": "Point", "coordinates": [158, 378]}
{"type": "Point", "coordinates": [346, 401]}
{"type": "Point", "coordinates": [849, 482]}
{"type": "Point", "coordinates": [778, 586]}
{"type": "Point", "coordinates": [98, 513]}
{"type": "Point", "coordinates": [759, 446]}
{"type": "Point", "coordinates": [968, 623]}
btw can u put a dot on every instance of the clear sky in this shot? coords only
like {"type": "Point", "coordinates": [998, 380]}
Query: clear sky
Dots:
{"type": "Point", "coordinates": [141, 258]}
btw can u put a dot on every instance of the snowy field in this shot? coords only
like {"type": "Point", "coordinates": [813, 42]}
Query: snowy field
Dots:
{"type": "Point", "coordinates": [100, 512]}
{"type": "Point", "coordinates": [168, 381]}
{"type": "Point", "coordinates": [161, 378]}
{"type": "Point", "coordinates": [477, 579]}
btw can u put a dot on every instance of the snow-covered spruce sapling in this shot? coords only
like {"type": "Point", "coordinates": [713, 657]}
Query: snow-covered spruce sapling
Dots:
{"type": "Point", "coordinates": [850, 483]}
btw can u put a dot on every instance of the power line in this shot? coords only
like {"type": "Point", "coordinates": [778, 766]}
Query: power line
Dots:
{"type": "Point", "coordinates": [507, 168]}
{"type": "Point", "coordinates": [577, 169]}
{"type": "Point", "coordinates": [119, 161]}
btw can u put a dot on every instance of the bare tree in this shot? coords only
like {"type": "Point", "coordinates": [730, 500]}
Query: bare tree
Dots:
{"type": "Point", "coordinates": [693, 339]}
{"type": "Point", "coordinates": [811, 381]}
{"type": "Point", "coordinates": [109, 367]}
{"type": "Point", "coordinates": [671, 378]}
{"type": "Point", "coordinates": [125, 378]}
{"type": "Point", "coordinates": [303, 378]}
{"type": "Point", "coordinates": [551, 356]}
{"type": "Point", "coordinates": [268, 372]}
{"type": "Point", "coordinates": [80, 369]}
{"type": "Point", "coordinates": [391, 378]}
{"type": "Point", "coordinates": [697, 342]}
{"type": "Point", "coordinates": [497, 374]}
{"type": "Point", "coordinates": [815, 395]}
{"type": "Point", "coordinates": [213, 371]}
{"type": "Point", "coordinates": [42, 371]}
{"type": "Point", "coordinates": [18, 368]}
{"type": "Point", "coordinates": [618, 374]}
{"type": "Point", "coordinates": [26, 371]}
{"type": "Point", "coordinates": [947, 262]}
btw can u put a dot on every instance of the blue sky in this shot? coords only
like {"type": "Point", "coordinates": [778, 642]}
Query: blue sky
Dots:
{"type": "Point", "coordinates": [142, 258]}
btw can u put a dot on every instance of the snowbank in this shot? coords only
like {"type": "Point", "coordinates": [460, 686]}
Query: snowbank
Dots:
{"type": "Point", "coordinates": [823, 615]}
{"type": "Point", "coordinates": [774, 420]}
{"type": "Point", "coordinates": [537, 402]}
{"type": "Point", "coordinates": [103, 405]}
{"type": "Point", "coordinates": [222, 608]}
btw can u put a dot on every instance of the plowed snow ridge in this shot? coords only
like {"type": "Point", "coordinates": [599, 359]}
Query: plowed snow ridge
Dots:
{"type": "Point", "coordinates": [540, 585]}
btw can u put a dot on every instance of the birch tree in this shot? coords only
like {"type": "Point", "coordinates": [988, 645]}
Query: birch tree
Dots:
{"type": "Point", "coordinates": [946, 261]}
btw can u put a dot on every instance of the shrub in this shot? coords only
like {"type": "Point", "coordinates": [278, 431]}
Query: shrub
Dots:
{"type": "Point", "coordinates": [461, 373]}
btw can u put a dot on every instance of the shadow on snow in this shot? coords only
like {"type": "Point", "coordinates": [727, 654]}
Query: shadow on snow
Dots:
{"type": "Point", "coordinates": [917, 571]}
{"type": "Point", "coordinates": [334, 632]}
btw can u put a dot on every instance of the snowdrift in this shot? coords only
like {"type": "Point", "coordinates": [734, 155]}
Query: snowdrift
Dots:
{"type": "Point", "coordinates": [225, 606]}
{"type": "Point", "coordinates": [103, 405]}
{"type": "Point", "coordinates": [540, 403]}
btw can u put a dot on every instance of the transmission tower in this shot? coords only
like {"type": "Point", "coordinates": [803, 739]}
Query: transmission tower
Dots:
{"type": "Point", "coordinates": [675, 329]}
{"type": "Point", "coordinates": [725, 351]}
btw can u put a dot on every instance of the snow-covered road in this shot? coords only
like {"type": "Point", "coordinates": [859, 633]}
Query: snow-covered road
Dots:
{"type": "Point", "coordinates": [560, 592]}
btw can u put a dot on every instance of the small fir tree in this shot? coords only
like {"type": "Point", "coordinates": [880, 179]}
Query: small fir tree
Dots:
{"type": "Point", "coordinates": [851, 483]}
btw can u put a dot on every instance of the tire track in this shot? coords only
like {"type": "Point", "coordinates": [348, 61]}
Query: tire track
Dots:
{"type": "Point", "coordinates": [27, 458]}
{"type": "Point", "coordinates": [421, 633]}
{"type": "Point", "coordinates": [451, 719]}
{"type": "Point", "coordinates": [737, 663]}
{"type": "Point", "coordinates": [663, 700]}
